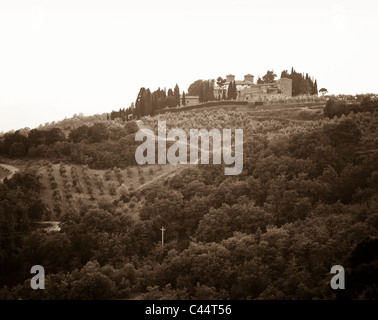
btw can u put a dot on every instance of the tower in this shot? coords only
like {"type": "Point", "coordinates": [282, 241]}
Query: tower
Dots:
{"type": "Point", "coordinates": [249, 77]}
{"type": "Point", "coordinates": [286, 86]}
{"type": "Point", "coordinates": [230, 77]}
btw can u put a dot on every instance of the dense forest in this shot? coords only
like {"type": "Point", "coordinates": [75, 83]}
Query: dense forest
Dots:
{"type": "Point", "coordinates": [306, 200]}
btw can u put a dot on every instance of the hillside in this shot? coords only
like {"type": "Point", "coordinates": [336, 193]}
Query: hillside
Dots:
{"type": "Point", "coordinates": [66, 187]}
{"type": "Point", "coordinates": [306, 200]}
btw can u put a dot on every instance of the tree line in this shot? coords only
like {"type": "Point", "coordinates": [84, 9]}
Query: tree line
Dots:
{"type": "Point", "coordinates": [147, 103]}
{"type": "Point", "coordinates": [99, 145]}
{"type": "Point", "coordinates": [204, 89]}
{"type": "Point", "coordinates": [337, 107]}
{"type": "Point", "coordinates": [302, 84]}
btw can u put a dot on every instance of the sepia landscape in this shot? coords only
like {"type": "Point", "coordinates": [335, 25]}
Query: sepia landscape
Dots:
{"type": "Point", "coordinates": [105, 223]}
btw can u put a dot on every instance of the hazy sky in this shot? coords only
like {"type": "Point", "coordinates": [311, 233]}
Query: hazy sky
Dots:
{"type": "Point", "coordinates": [58, 58]}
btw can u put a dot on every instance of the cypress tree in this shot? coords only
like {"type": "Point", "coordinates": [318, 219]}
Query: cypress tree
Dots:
{"type": "Point", "coordinates": [229, 91]}
{"type": "Point", "coordinates": [177, 94]}
{"type": "Point", "coordinates": [140, 103]}
{"type": "Point", "coordinates": [205, 86]}
{"type": "Point", "coordinates": [315, 91]}
{"type": "Point", "coordinates": [211, 96]}
{"type": "Point", "coordinates": [183, 99]}
{"type": "Point", "coordinates": [234, 91]}
{"type": "Point", "coordinates": [148, 102]}
{"type": "Point", "coordinates": [201, 93]}
{"type": "Point", "coordinates": [224, 97]}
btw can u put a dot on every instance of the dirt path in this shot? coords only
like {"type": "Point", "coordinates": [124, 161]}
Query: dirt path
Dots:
{"type": "Point", "coordinates": [163, 175]}
{"type": "Point", "coordinates": [12, 170]}
{"type": "Point", "coordinates": [50, 226]}
{"type": "Point", "coordinates": [166, 174]}
{"type": "Point", "coordinates": [147, 133]}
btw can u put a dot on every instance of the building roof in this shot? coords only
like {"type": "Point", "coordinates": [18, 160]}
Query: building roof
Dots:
{"type": "Point", "coordinates": [191, 97]}
{"type": "Point", "coordinates": [249, 75]}
{"type": "Point", "coordinates": [240, 82]}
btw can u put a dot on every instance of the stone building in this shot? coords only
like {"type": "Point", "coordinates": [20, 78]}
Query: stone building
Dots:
{"type": "Point", "coordinates": [230, 78]}
{"type": "Point", "coordinates": [286, 86]}
{"type": "Point", "coordinates": [191, 100]}
{"type": "Point", "coordinates": [240, 84]}
{"type": "Point", "coordinates": [248, 90]}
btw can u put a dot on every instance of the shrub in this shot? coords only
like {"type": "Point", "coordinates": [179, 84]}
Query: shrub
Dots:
{"type": "Point", "coordinates": [62, 169]}
{"type": "Point", "coordinates": [108, 175]}
{"type": "Point", "coordinates": [112, 189]}
{"type": "Point", "coordinates": [58, 209]}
